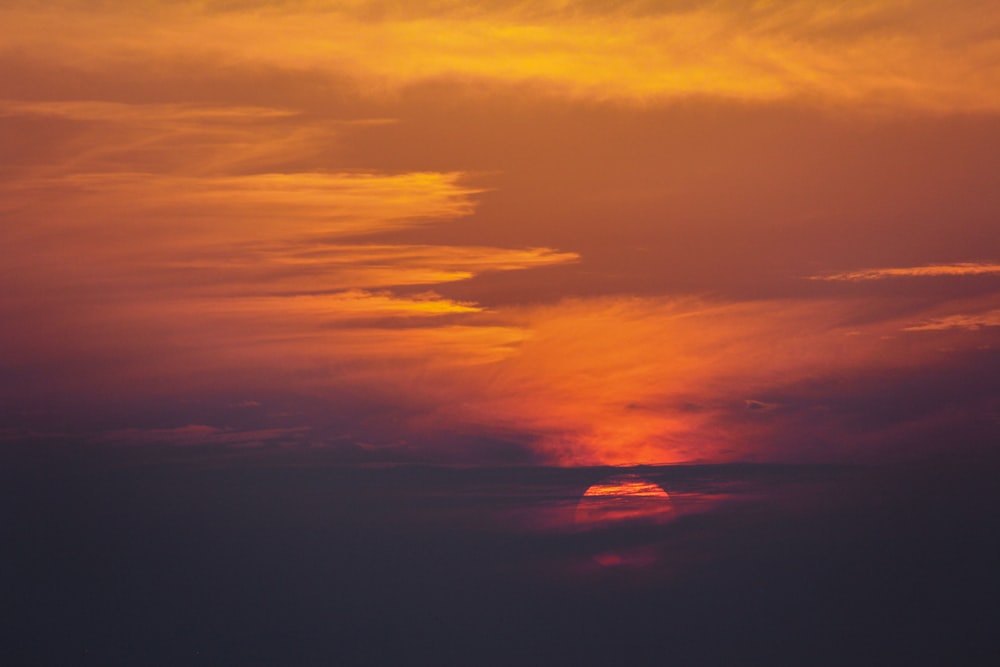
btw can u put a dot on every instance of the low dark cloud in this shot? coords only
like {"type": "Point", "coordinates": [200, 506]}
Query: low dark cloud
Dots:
{"type": "Point", "coordinates": [285, 559]}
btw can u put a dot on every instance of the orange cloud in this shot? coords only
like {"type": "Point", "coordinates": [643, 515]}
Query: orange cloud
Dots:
{"type": "Point", "coordinates": [210, 173]}
{"type": "Point", "coordinates": [929, 270]}
{"type": "Point", "coordinates": [894, 53]}
{"type": "Point", "coordinates": [627, 381]}
{"type": "Point", "coordinates": [970, 321]}
{"type": "Point", "coordinates": [319, 204]}
{"type": "Point", "coordinates": [158, 246]}
{"type": "Point", "coordinates": [166, 197]}
{"type": "Point", "coordinates": [162, 237]}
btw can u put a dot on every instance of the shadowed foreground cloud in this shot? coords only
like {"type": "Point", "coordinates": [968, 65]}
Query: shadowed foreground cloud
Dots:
{"type": "Point", "coordinates": [821, 565]}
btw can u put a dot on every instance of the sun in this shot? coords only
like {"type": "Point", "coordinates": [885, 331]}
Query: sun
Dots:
{"type": "Point", "coordinates": [624, 497]}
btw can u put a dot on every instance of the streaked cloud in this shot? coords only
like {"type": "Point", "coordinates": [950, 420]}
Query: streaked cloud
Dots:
{"type": "Point", "coordinates": [928, 270]}
{"type": "Point", "coordinates": [253, 207]}
{"type": "Point", "coordinates": [568, 227]}
{"type": "Point", "coordinates": [317, 268]}
{"type": "Point", "coordinates": [96, 139]}
{"type": "Point", "coordinates": [119, 112]}
{"type": "Point", "coordinates": [613, 380]}
{"type": "Point", "coordinates": [166, 197]}
{"type": "Point", "coordinates": [970, 321]}
{"type": "Point", "coordinates": [888, 54]}
{"type": "Point", "coordinates": [202, 434]}
{"type": "Point", "coordinates": [168, 240]}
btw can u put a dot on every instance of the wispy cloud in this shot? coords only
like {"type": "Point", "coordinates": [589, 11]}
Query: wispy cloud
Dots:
{"type": "Point", "coordinates": [970, 321]}
{"type": "Point", "coordinates": [321, 204]}
{"type": "Point", "coordinates": [927, 270]}
{"type": "Point", "coordinates": [614, 380]}
{"type": "Point", "coordinates": [895, 53]}
{"type": "Point", "coordinates": [172, 198]}
{"type": "Point", "coordinates": [208, 201]}
{"type": "Point", "coordinates": [320, 268]}
{"type": "Point", "coordinates": [171, 244]}
{"type": "Point", "coordinates": [119, 112]}
{"type": "Point", "coordinates": [103, 139]}
{"type": "Point", "coordinates": [203, 434]}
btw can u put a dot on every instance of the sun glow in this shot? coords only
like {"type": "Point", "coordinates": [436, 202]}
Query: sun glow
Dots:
{"type": "Point", "coordinates": [618, 501]}
{"type": "Point", "coordinates": [626, 497]}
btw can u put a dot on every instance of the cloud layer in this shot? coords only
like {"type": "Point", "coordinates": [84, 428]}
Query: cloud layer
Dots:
{"type": "Point", "coordinates": [895, 54]}
{"type": "Point", "coordinates": [579, 232]}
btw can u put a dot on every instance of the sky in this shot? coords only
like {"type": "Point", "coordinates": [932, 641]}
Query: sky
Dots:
{"type": "Point", "coordinates": [499, 332]}
{"type": "Point", "coordinates": [558, 232]}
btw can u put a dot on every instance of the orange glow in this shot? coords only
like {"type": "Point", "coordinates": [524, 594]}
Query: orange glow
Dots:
{"type": "Point", "coordinates": [608, 381]}
{"type": "Point", "coordinates": [626, 497]}
{"type": "Point", "coordinates": [904, 54]}
{"type": "Point", "coordinates": [566, 231]}
{"type": "Point", "coordinates": [623, 499]}
{"type": "Point", "coordinates": [959, 269]}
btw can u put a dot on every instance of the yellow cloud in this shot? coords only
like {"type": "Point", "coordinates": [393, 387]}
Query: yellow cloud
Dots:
{"type": "Point", "coordinates": [258, 205]}
{"type": "Point", "coordinates": [147, 114]}
{"type": "Point", "coordinates": [893, 53]}
{"type": "Point", "coordinates": [927, 270]}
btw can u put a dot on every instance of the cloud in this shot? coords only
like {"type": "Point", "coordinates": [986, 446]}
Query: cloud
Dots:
{"type": "Point", "coordinates": [321, 205]}
{"type": "Point", "coordinates": [317, 268]}
{"type": "Point", "coordinates": [191, 218]}
{"type": "Point", "coordinates": [171, 198]}
{"type": "Point", "coordinates": [156, 114]}
{"type": "Point", "coordinates": [929, 270]}
{"type": "Point", "coordinates": [608, 380]}
{"type": "Point", "coordinates": [759, 406]}
{"type": "Point", "coordinates": [584, 381]}
{"type": "Point", "coordinates": [895, 54]}
{"type": "Point", "coordinates": [202, 434]}
{"type": "Point", "coordinates": [971, 321]}
{"type": "Point", "coordinates": [161, 236]}
{"type": "Point", "coordinates": [611, 380]}
{"type": "Point", "coordinates": [96, 138]}
{"type": "Point", "coordinates": [214, 168]}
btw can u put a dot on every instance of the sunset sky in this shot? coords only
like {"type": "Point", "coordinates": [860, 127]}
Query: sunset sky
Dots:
{"type": "Point", "coordinates": [569, 232]}
{"type": "Point", "coordinates": [557, 233]}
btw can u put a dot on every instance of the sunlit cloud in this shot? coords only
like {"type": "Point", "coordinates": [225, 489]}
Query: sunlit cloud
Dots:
{"type": "Point", "coordinates": [99, 140]}
{"type": "Point", "coordinates": [627, 381]}
{"type": "Point", "coordinates": [259, 205]}
{"type": "Point", "coordinates": [316, 202]}
{"type": "Point", "coordinates": [896, 54]}
{"type": "Point", "coordinates": [325, 268]}
{"type": "Point", "coordinates": [169, 214]}
{"type": "Point", "coordinates": [929, 270]}
{"type": "Point", "coordinates": [163, 237]}
{"type": "Point", "coordinates": [970, 321]}
{"type": "Point", "coordinates": [182, 174]}
{"type": "Point", "coordinates": [630, 381]}
{"type": "Point", "coordinates": [339, 306]}
{"type": "Point", "coordinates": [157, 114]}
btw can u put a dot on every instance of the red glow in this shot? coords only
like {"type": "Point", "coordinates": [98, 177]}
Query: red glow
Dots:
{"type": "Point", "coordinates": [626, 497]}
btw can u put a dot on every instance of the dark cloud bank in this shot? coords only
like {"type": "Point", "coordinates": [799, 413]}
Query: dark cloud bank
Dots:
{"type": "Point", "coordinates": [126, 559]}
